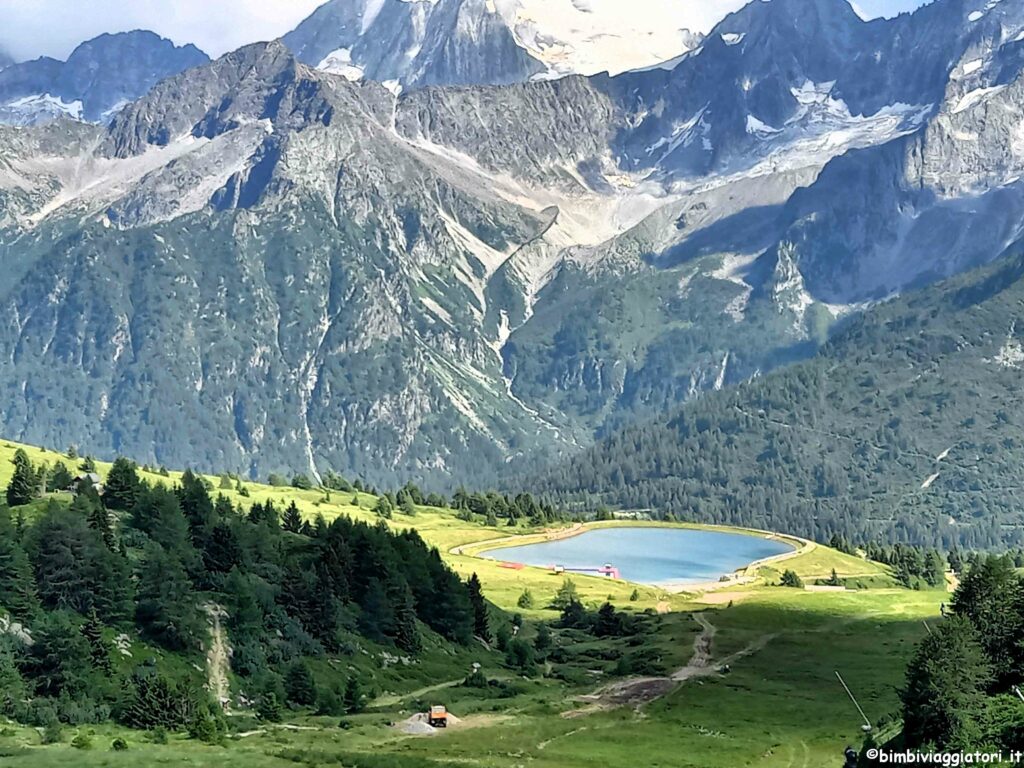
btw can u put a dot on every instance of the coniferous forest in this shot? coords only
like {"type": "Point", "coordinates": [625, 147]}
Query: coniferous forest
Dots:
{"type": "Point", "coordinates": [165, 565]}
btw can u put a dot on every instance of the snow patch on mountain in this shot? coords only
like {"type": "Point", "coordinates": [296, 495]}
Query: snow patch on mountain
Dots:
{"type": "Point", "coordinates": [591, 36]}
{"type": "Point", "coordinates": [43, 106]}
{"type": "Point", "coordinates": [755, 126]}
{"type": "Point", "coordinates": [339, 62]}
{"type": "Point", "coordinates": [972, 98]}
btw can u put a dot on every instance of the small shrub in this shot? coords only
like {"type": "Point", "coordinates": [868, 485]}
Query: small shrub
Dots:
{"type": "Point", "coordinates": [791, 579]}
{"type": "Point", "coordinates": [53, 733]}
{"type": "Point", "coordinates": [158, 735]}
{"type": "Point", "coordinates": [82, 741]}
{"type": "Point", "coordinates": [119, 745]}
{"type": "Point", "coordinates": [208, 728]}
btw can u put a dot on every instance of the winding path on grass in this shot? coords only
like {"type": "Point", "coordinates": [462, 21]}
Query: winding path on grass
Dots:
{"type": "Point", "coordinates": [637, 691]}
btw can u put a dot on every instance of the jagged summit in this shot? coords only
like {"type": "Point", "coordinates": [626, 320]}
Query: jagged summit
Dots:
{"type": "Point", "coordinates": [467, 42]}
{"type": "Point", "coordinates": [99, 78]}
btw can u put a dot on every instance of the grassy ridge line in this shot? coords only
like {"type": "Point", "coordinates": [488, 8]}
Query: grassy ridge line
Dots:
{"type": "Point", "coordinates": [460, 542]}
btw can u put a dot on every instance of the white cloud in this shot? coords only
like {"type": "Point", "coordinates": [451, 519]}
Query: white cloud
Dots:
{"type": "Point", "coordinates": [33, 28]}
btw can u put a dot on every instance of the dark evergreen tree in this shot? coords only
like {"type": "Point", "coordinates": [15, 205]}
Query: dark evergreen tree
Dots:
{"type": "Point", "coordinates": [122, 487]}
{"type": "Point", "coordinates": [17, 585]}
{"type": "Point", "coordinates": [74, 569]}
{"type": "Point", "coordinates": [791, 579]}
{"type": "Point", "coordinates": [59, 659]}
{"type": "Point", "coordinates": [299, 685]}
{"type": "Point", "coordinates": [88, 505]}
{"type": "Point", "coordinates": [265, 515]}
{"type": "Point", "coordinates": [945, 687]}
{"type": "Point", "coordinates": [521, 656]}
{"type": "Point", "coordinates": [153, 700]}
{"type": "Point", "coordinates": [223, 549]}
{"type": "Point", "coordinates": [935, 570]}
{"type": "Point", "coordinates": [353, 698]}
{"type": "Point", "coordinates": [481, 614]}
{"type": "Point", "coordinates": [60, 477]}
{"type": "Point", "coordinates": [166, 610]}
{"type": "Point", "coordinates": [542, 642]}
{"type": "Point", "coordinates": [609, 622]}
{"type": "Point", "coordinates": [302, 482]}
{"type": "Point", "coordinates": [566, 594]}
{"type": "Point", "coordinates": [405, 631]}
{"type": "Point", "coordinates": [383, 508]}
{"type": "Point", "coordinates": [24, 484]}
{"type": "Point", "coordinates": [292, 520]}
{"type": "Point", "coordinates": [196, 505]}
{"type": "Point", "coordinates": [574, 616]}
{"type": "Point", "coordinates": [377, 618]}
{"type": "Point", "coordinates": [99, 652]}
{"type": "Point", "coordinates": [158, 512]}
{"type": "Point", "coordinates": [13, 689]}
{"type": "Point", "coordinates": [991, 597]}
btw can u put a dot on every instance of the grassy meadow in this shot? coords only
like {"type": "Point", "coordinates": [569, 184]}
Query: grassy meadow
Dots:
{"type": "Point", "coordinates": [779, 706]}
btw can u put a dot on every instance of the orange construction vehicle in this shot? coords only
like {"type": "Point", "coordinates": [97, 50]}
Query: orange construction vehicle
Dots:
{"type": "Point", "coordinates": [438, 717]}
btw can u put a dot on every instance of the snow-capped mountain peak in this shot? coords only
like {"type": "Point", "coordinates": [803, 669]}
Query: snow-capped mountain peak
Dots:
{"type": "Point", "coordinates": [461, 42]}
{"type": "Point", "coordinates": [591, 36]}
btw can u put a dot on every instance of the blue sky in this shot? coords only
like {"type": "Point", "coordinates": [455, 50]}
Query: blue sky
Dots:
{"type": "Point", "coordinates": [33, 28]}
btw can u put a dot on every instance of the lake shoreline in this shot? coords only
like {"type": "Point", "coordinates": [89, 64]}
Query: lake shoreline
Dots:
{"type": "Point", "coordinates": [741, 575]}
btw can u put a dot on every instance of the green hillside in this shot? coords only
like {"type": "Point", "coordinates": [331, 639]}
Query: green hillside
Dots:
{"type": "Point", "coordinates": [158, 623]}
{"type": "Point", "coordinates": [906, 427]}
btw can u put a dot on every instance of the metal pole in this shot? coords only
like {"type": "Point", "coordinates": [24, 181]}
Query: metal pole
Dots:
{"type": "Point", "coordinates": [867, 723]}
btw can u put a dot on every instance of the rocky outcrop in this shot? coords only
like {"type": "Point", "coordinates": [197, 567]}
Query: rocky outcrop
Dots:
{"type": "Point", "coordinates": [450, 42]}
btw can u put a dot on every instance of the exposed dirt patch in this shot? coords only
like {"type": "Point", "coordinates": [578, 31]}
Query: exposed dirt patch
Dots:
{"type": "Point", "coordinates": [637, 691]}
{"type": "Point", "coordinates": [417, 725]}
{"type": "Point", "coordinates": [218, 656]}
{"type": "Point", "coordinates": [700, 662]}
{"type": "Point", "coordinates": [724, 598]}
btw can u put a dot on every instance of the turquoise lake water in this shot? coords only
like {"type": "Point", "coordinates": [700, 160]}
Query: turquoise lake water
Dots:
{"type": "Point", "coordinates": [649, 555]}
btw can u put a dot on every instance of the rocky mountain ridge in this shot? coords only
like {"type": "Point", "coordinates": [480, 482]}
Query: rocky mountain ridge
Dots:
{"type": "Point", "coordinates": [487, 42]}
{"type": "Point", "coordinates": [266, 266]}
{"type": "Point", "coordinates": [100, 77]}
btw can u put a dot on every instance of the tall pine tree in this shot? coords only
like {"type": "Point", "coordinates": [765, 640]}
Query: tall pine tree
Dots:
{"type": "Point", "coordinates": [122, 486]}
{"type": "Point", "coordinates": [292, 520]}
{"type": "Point", "coordinates": [481, 616]}
{"type": "Point", "coordinates": [166, 611]}
{"type": "Point", "coordinates": [24, 485]}
{"type": "Point", "coordinates": [17, 585]}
